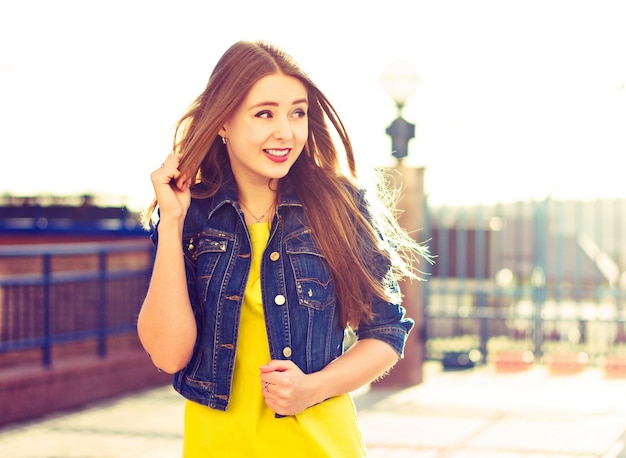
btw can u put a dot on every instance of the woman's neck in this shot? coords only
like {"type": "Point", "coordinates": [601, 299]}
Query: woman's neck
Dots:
{"type": "Point", "coordinates": [258, 203]}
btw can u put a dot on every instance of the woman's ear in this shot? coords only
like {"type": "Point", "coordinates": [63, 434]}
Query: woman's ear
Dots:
{"type": "Point", "coordinates": [222, 133]}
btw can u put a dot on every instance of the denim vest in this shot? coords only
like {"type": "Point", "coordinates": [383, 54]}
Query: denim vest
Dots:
{"type": "Point", "coordinates": [299, 302]}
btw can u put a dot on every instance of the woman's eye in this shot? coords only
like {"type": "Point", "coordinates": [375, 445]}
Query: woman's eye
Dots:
{"type": "Point", "coordinates": [264, 114]}
{"type": "Point", "coordinates": [300, 113]}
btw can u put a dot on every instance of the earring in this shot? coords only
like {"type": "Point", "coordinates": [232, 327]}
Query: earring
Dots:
{"type": "Point", "coordinates": [224, 140]}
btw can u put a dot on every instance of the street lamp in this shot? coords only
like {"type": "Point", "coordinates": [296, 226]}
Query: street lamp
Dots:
{"type": "Point", "coordinates": [400, 81]}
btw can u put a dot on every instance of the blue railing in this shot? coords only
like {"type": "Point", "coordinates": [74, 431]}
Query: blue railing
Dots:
{"type": "Point", "coordinates": [59, 293]}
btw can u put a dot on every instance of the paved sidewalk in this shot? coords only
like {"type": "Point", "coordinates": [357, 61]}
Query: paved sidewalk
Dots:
{"type": "Point", "coordinates": [475, 413]}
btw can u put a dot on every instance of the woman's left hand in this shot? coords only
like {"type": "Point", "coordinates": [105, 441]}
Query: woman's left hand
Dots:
{"type": "Point", "coordinates": [286, 389]}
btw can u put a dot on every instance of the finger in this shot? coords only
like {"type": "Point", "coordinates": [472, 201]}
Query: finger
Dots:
{"type": "Point", "coordinates": [277, 365]}
{"type": "Point", "coordinates": [164, 176]}
{"type": "Point", "coordinates": [169, 174]}
{"type": "Point", "coordinates": [268, 378]}
{"type": "Point", "coordinates": [171, 162]}
{"type": "Point", "coordinates": [182, 182]}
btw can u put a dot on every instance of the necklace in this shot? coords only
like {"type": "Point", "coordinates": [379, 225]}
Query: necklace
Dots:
{"type": "Point", "coordinates": [260, 218]}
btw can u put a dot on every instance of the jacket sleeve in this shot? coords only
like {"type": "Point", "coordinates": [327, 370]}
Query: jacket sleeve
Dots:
{"type": "Point", "coordinates": [389, 324]}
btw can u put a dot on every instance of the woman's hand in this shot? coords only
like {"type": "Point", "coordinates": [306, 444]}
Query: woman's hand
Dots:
{"type": "Point", "coordinates": [286, 389]}
{"type": "Point", "coordinates": [171, 188]}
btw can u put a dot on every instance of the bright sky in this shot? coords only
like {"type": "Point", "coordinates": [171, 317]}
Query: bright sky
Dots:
{"type": "Point", "coordinates": [518, 99]}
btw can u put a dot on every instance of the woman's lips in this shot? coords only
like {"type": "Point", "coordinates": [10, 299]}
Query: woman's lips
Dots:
{"type": "Point", "coordinates": [277, 154]}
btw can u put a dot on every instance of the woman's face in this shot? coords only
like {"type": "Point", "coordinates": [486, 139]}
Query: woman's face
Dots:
{"type": "Point", "coordinates": [268, 131]}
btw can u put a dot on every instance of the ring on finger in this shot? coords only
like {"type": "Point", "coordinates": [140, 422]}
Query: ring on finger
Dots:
{"type": "Point", "coordinates": [265, 386]}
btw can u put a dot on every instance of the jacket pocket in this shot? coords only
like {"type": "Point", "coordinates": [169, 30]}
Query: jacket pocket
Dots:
{"type": "Point", "coordinates": [206, 251]}
{"type": "Point", "coordinates": [314, 285]}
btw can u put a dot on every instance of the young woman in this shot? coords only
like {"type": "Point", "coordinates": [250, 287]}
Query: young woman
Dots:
{"type": "Point", "coordinates": [267, 252]}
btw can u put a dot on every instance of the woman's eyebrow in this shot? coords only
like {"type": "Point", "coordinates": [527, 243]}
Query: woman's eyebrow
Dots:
{"type": "Point", "coordinates": [275, 104]}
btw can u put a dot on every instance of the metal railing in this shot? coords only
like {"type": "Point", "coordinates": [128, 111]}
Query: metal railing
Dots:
{"type": "Point", "coordinates": [59, 293]}
{"type": "Point", "coordinates": [546, 276]}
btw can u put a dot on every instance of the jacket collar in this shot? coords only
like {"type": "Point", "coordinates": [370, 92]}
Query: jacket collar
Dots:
{"type": "Point", "coordinates": [227, 195]}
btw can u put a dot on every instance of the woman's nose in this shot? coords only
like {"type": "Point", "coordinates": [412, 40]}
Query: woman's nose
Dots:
{"type": "Point", "coordinates": [283, 129]}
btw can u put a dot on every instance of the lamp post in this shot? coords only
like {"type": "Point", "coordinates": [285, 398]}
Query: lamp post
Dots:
{"type": "Point", "coordinates": [400, 81]}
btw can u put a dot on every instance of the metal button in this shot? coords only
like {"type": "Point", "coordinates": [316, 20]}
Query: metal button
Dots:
{"type": "Point", "coordinates": [286, 352]}
{"type": "Point", "coordinates": [280, 300]}
{"type": "Point", "coordinates": [274, 256]}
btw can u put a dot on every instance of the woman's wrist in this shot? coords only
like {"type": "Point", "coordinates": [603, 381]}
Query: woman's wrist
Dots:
{"type": "Point", "coordinates": [321, 387]}
{"type": "Point", "coordinates": [170, 226]}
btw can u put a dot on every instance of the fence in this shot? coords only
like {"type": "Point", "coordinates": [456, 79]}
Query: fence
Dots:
{"type": "Point", "coordinates": [546, 277]}
{"type": "Point", "coordinates": [541, 277]}
{"type": "Point", "coordinates": [60, 293]}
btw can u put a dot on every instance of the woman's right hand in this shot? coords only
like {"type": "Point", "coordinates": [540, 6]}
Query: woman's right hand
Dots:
{"type": "Point", "coordinates": [171, 187]}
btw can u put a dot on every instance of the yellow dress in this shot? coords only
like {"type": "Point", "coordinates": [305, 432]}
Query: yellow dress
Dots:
{"type": "Point", "coordinates": [248, 428]}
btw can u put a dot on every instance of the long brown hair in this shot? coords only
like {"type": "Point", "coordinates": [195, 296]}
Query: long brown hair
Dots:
{"type": "Point", "coordinates": [328, 194]}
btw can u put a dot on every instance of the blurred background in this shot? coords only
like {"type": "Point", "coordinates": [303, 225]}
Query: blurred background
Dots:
{"type": "Point", "coordinates": [517, 119]}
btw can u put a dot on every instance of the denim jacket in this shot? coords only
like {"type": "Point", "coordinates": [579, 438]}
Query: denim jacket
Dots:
{"type": "Point", "coordinates": [299, 303]}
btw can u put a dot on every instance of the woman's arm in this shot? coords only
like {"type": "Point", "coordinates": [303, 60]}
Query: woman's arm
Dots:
{"type": "Point", "coordinates": [365, 361]}
{"type": "Point", "coordinates": [166, 324]}
{"type": "Point", "coordinates": [290, 391]}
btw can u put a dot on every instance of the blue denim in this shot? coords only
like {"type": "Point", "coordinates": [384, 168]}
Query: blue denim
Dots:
{"type": "Point", "coordinates": [299, 302]}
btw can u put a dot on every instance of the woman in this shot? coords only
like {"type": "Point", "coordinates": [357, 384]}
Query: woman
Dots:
{"type": "Point", "coordinates": [266, 253]}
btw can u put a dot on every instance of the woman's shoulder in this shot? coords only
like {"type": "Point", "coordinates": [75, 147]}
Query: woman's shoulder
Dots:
{"type": "Point", "coordinates": [203, 206]}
